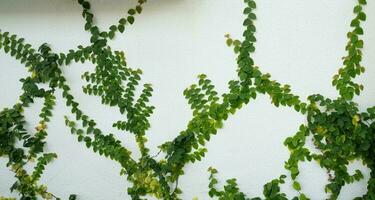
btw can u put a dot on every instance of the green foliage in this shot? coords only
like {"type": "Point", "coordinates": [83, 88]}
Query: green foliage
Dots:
{"type": "Point", "coordinates": [4, 198]}
{"type": "Point", "coordinates": [339, 131]}
{"type": "Point", "coordinates": [230, 192]}
{"type": "Point", "coordinates": [72, 197]}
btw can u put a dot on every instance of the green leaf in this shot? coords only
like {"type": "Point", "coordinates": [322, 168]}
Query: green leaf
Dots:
{"type": "Point", "coordinates": [229, 42]}
{"type": "Point", "coordinates": [122, 21]}
{"type": "Point", "coordinates": [113, 28]}
{"type": "Point", "coordinates": [111, 34]}
{"type": "Point", "coordinates": [362, 16]}
{"type": "Point", "coordinates": [130, 19]}
{"type": "Point", "coordinates": [355, 23]}
{"type": "Point", "coordinates": [131, 12]}
{"type": "Point", "coordinates": [121, 28]}
{"type": "Point", "coordinates": [357, 9]}
{"type": "Point", "coordinates": [363, 2]}
{"type": "Point", "coordinates": [73, 197]}
{"type": "Point", "coordinates": [252, 4]}
{"type": "Point", "coordinates": [296, 186]}
{"type": "Point", "coordinates": [139, 9]}
{"type": "Point", "coordinates": [86, 5]}
{"type": "Point", "coordinates": [358, 31]}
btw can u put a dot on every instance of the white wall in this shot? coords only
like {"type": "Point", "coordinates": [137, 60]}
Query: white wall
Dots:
{"type": "Point", "coordinates": [299, 43]}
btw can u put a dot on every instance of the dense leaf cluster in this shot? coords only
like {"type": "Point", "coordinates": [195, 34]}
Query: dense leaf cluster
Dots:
{"type": "Point", "coordinates": [340, 132]}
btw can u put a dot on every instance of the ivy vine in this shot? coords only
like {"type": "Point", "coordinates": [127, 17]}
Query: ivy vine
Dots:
{"type": "Point", "coordinates": [337, 128]}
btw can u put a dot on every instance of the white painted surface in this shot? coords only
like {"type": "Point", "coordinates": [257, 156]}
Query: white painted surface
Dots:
{"type": "Point", "coordinates": [299, 42]}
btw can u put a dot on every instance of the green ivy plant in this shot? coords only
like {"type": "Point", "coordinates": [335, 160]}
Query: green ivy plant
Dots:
{"type": "Point", "coordinates": [337, 128]}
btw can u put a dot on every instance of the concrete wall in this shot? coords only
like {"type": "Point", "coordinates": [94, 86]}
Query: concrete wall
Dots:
{"type": "Point", "coordinates": [299, 42]}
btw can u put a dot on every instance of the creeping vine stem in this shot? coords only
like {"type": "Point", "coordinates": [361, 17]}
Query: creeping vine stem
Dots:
{"type": "Point", "coordinates": [339, 130]}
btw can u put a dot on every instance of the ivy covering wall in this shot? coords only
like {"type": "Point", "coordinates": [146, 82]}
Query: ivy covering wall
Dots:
{"type": "Point", "coordinates": [338, 129]}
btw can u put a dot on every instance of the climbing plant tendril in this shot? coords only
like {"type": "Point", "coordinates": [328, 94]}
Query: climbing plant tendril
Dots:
{"type": "Point", "coordinates": [339, 131]}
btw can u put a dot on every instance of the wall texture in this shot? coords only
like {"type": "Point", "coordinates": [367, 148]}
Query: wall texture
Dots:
{"type": "Point", "coordinates": [299, 42]}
